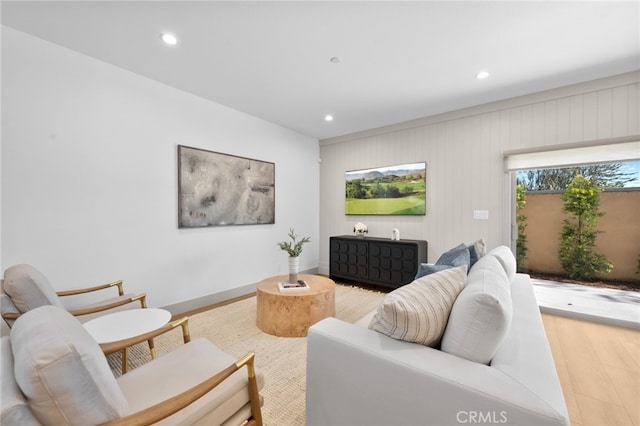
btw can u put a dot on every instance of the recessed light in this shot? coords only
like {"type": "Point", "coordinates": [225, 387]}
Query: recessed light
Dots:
{"type": "Point", "coordinates": [334, 60]}
{"type": "Point", "coordinates": [328, 117]}
{"type": "Point", "coordinates": [482, 74]}
{"type": "Point", "coordinates": [170, 39]}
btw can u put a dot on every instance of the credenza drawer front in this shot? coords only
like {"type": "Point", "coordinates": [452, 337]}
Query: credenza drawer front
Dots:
{"type": "Point", "coordinates": [392, 262]}
{"type": "Point", "coordinates": [376, 260]}
{"type": "Point", "coordinates": [349, 258]}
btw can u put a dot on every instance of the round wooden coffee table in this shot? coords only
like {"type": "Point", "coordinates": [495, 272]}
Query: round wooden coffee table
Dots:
{"type": "Point", "coordinates": [290, 314]}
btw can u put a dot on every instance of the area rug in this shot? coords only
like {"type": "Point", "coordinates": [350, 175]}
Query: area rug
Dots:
{"type": "Point", "coordinates": [282, 360]}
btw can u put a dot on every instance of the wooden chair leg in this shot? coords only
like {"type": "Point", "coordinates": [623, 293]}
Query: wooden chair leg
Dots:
{"type": "Point", "coordinates": [124, 360]}
{"type": "Point", "coordinates": [152, 348]}
{"type": "Point", "coordinates": [254, 396]}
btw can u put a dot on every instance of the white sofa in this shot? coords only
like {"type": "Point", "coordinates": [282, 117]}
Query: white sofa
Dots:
{"type": "Point", "coordinates": [357, 376]}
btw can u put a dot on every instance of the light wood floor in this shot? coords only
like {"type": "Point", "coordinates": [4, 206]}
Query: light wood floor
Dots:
{"type": "Point", "coordinates": [599, 369]}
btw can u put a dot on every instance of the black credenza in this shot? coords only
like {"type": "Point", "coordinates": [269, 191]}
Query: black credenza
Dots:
{"type": "Point", "coordinates": [377, 261]}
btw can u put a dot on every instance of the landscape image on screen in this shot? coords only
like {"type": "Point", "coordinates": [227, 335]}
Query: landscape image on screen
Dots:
{"type": "Point", "coordinates": [392, 190]}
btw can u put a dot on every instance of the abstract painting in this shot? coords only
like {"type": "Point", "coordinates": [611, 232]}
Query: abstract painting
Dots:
{"type": "Point", "coordinates": [216, 189]}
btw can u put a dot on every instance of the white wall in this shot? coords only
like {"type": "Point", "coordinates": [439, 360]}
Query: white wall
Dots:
{"type": "Point", "coordinates": [89, 179]}
{"type": "Point", "coordinates": [464, 154]}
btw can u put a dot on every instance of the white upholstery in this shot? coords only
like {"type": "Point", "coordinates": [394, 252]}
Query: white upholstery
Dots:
{"type": "Point", "coordinates": [184, 367]}
{"type": "Point", "coordinates": [526, 345]}
{"type": "Point", "coordinates": [28, 288]}
{"type": "Point", "coordinates": [506, 259]}
{"type": "Point", "coordinates": [7, 306]}
{"type": "Point", "coordinates": [25, 288]}
{"type": "Point", "coordinates": [481, 315]}
{"type": "Point", "coordinates": [62, 371]}
{"type": "Point", "coordinates": [15, 410]}
{"type": "Point", "coordinates": [5, 330]}
{"type": "Point", "coordinates": [356, 376]}
{"type": "Point", "coordinates": [54, 373]}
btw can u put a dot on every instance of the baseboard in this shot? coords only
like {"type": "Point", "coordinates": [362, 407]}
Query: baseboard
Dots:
{"type": "Point", "coordinates": [210, 299]}
{"type": "Point", "coordinates": [220, 297]}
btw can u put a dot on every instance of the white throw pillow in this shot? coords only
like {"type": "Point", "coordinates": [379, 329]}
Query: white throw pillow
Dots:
{"type": "Point", "coordinates": [507, 260]}
{"type": "Point", "coordinates": [418, 312]}
{"type": "Point", "coordinates": [481, 315]}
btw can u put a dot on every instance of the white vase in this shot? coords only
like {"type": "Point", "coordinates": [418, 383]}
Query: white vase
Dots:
{"type": "Point", "coordinates": [293, 269]}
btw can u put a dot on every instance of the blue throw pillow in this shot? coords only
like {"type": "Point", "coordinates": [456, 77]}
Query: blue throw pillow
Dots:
{"type": "Point", "coordinates": [430, 268]}
{"type": "Point", "coordinates": [457, 256]}
{"type": "Point", "coordinates": [473, 255]}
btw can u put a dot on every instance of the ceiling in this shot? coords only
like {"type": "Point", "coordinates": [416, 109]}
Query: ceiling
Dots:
{"type": "Point", "coordinates": [397, 60]}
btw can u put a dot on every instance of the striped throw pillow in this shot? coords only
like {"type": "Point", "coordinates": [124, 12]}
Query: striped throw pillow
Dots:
{"type": "Point", "coordinates": [418, 312]}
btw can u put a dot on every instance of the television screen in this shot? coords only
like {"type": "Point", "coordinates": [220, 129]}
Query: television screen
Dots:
{"type": "Point", "coordinates": [392, 190]}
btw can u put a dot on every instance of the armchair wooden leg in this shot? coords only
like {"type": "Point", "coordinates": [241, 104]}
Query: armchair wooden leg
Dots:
{"type": "Point", "coordinates": [124, 360]}
{"type": "Point", "coordinates": [152, 348]}
{"type": "Point", "coordinates": [256, 410]}
{"type": "Point", "coordinates": [186, 337]}
{"type": "Point", "coordinates": [184, 323]}
{"type": "Point", "coordinates": [254, 395]}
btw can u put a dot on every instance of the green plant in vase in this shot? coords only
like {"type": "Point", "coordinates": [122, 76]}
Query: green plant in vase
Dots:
{"type": "Point", "coordinates": [293, 249]}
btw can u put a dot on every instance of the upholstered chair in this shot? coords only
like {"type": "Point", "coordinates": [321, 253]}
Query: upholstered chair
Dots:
{"type": "Point", "coordinates": [25, 288]}
{"type": "Point", "coordinates": [54, 373]}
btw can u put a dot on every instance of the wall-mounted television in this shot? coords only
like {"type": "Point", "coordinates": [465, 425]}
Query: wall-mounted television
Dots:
{"type": "Point", "coordinates": [390, 190]}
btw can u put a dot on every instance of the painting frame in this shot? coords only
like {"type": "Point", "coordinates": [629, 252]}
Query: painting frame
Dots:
{"type": "Point", "coordinates": [397, 190]}
{"type": "Point", "coordinates": [219, 189]}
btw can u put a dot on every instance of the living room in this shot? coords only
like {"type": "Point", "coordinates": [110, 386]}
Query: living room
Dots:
{"type": "Point", "coordinates": [89, 165]}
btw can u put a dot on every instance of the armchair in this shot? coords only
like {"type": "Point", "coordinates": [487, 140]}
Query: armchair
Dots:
{"type": "Point", "coordinates": [65, 379]}
{"type": "Point", "coordinates": [25, 288]}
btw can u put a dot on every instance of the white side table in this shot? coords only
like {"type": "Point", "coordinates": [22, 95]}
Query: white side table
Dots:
{"type": "Point", "coordinates": [126, 324]}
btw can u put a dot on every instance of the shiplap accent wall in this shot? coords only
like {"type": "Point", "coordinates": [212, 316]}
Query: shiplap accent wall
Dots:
{"type": "Point", "coordinates": [464, 154]}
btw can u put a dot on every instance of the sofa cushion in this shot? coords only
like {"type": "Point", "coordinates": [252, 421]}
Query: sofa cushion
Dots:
{"type": "Point", "coordinates": [481, 315]}
{"type": "Point", "coordinates": [457, 256]}
{"type": "Point", "coordinates": [525, 355]}
{"type": "Point", "coordinates": [62, 371]}
{"type": "Point", "coordinates": [145, 386]}
{"type": "Point", "coordinates": [28, 288]}
{"type": "Point", "coordinates": [507, 260]}
{"type": "Point", "coordinates": [418, 312]}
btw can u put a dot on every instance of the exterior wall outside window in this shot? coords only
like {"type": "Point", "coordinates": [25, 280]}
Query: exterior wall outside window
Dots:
{"type": "Point", "coordinates": [619, 240]}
